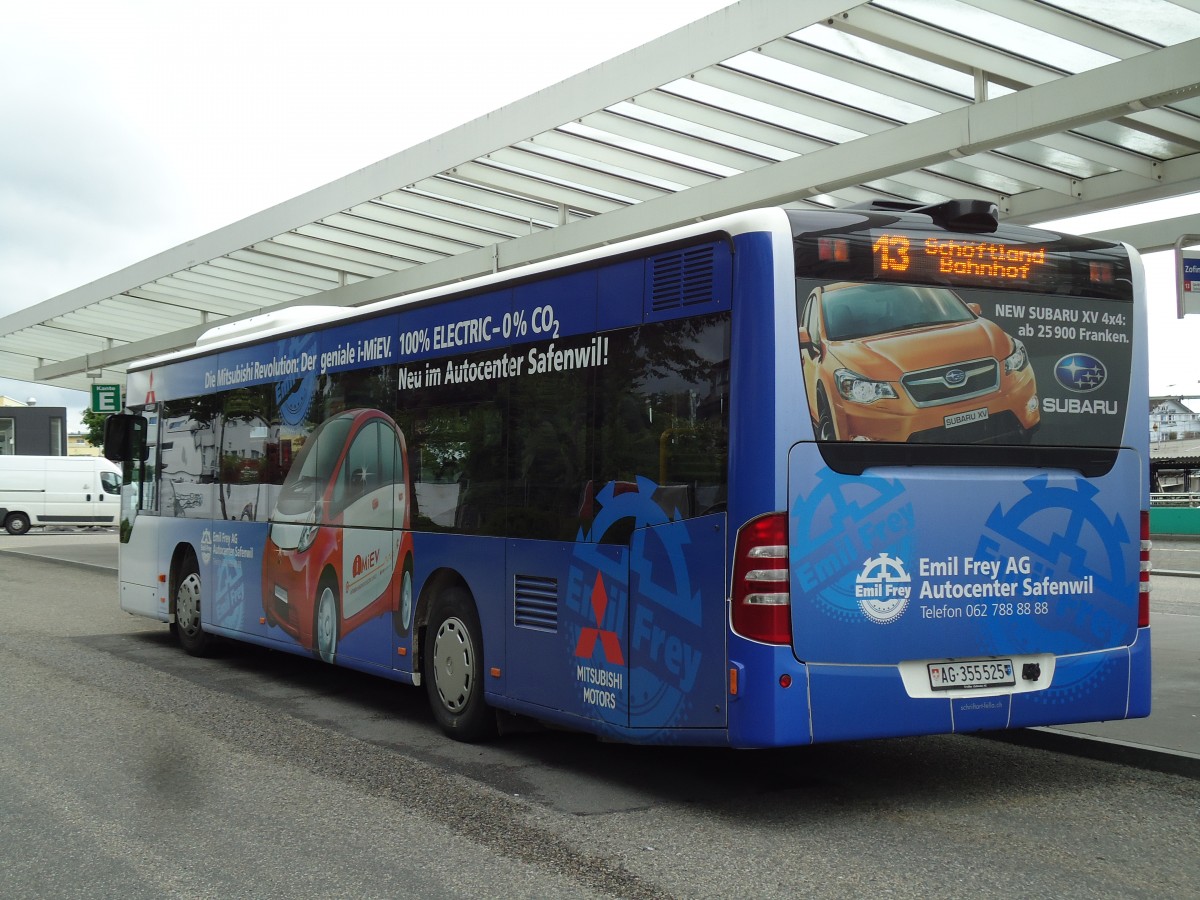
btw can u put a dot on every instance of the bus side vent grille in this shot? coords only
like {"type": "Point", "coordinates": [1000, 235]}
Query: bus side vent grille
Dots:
{"type": "Point", "coordinates": [684, 278]}
{"type": "Point", "coordinates": [536, 602]}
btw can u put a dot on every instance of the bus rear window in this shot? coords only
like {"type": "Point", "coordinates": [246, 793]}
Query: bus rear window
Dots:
{"type": "Point", "coordinates": [927, 338]}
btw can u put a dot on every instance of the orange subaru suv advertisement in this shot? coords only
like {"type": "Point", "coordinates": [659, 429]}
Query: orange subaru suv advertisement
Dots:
{"type": "Point", "coordinates": [905, 362]}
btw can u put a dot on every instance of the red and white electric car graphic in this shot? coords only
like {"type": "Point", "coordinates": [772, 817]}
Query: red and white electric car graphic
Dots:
{"type": "Point", "coordinates": [338, 551]}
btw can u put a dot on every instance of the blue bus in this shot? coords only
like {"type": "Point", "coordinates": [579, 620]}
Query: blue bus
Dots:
{"type": "Point", "coordinates": [783, 477]}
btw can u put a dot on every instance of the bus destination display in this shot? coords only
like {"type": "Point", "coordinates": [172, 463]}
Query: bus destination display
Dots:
{"type": "Point", "coordinates": [959, 260]}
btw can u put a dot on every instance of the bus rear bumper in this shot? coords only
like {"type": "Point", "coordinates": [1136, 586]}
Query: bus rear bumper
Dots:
{"type": "Point", "coordinates": [824, 703]}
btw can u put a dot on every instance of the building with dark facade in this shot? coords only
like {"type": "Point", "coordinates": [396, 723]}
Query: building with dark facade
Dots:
{"type": "Point", "coordinates": [32, 430]}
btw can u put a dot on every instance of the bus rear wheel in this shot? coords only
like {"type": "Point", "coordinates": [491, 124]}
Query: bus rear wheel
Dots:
{"type": "Point", "coordinates": [454, 669]}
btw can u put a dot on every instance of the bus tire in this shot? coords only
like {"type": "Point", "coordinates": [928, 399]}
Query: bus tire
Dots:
{"type": "Point", "coordinates": [454, 669]}
{"type": "Point", "coordinates": [187, 628]}
{"type": "Point", "coordinates": [17, 523]}
{"type": "Point", "coordinates": [402, 617]}
{"type": "Point", "coordinates": [825, 427]}
{"type": "Point", "coordinates": [325, 623]}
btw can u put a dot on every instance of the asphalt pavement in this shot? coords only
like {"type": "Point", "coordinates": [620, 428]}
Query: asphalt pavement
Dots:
{"type": "Point", "coordinates": [1168, 740]}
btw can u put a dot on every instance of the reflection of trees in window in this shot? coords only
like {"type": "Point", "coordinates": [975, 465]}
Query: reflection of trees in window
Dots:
{"type": "Point", "coordinates": [550, 459]}
{"type": "Point", "coordinates": [373, 388]}
{"type": "Point", "coordinates": [526, 456]}
{"type": "Point", "coordinates": [456, 456]}
{"type": "Point", "coordinates": [663, 412]}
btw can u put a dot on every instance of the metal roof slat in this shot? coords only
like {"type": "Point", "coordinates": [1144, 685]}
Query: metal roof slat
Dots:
{"type": "Point", "coordinates": [820, 87]}
{"type": "Point", "coordinates": [120, 319]}
{"type": "Point", "coordinates": [292, 246]}
{"type": "Point", "coordinates": [222, 286]}
{"type": "Point", "coordinates": [30, 343]}
{"type": "Point", "coordinates": [175, 296]}
{"type": "Point", "coordinates": [486, 221]}
{"type": "Point", "coordinates": [910, 36]}
{"type": "Point", "coordinates": [869, 123]}
{"type": "Point", "coordinates": [378, 237]}
{"type": "Point", "coordinates": [492, 174]}
{"type": "Point", "coordinates": [432, 231]}
{"type": "Point", "coordinates": [1075, 28]}
{"type": "Point", "coordinates": [798, 52]}
{"type": "Point", "coordinates": [269, 276]}
{"type": "Point", "coordinates": [292, 270]}
{"type": "Point", "coordinates": [624, 121]}
{"type": "Point", "coordinates": [212, 298]}
{"type": "Point", "coordinates": [584, 174]}
{"type": "Point", "coordinates": [456, 190]}
{"type": "Point", "coordinates": [339, 243]}
{"type": "Point", "coordinates": [766, 134]}
{"type": "Point", "coordinates": [788, 109]}
{"type": "Point", "coordinates": [1100, 152]}
{"type": "Point", "coordinates": [1176, 176]}
{"type": "Point", "coordinates": [636, 156]}
{"type": "Point", "coordinates": [1166, 124]}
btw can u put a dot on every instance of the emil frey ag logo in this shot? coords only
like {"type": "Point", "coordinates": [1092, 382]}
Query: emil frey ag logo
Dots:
{"type": "Point", "coordinates": [883, 588]}
{"type": "Point", "coordinates": [1080, 372]}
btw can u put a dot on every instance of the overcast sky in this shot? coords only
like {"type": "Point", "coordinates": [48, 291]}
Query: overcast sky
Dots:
{"type": "Point", "coordinates": [131, 126]}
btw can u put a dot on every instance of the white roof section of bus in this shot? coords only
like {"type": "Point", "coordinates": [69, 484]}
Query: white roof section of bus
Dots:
{"type": "Point", "coordinates": [1049, 109]}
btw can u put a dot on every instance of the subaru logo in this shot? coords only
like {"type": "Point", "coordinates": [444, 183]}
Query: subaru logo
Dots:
{"type": "Point", "coordinates": [955, 377]}
{"type": "Point", "coordinates": [1080, 372]}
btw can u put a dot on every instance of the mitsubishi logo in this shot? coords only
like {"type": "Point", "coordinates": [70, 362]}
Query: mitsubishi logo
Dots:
{"type": "Point", "coordinates": [586, 647]}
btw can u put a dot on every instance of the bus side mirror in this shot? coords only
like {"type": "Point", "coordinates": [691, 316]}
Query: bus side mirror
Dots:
{"type": "Point", "coordinates": [125, 438]}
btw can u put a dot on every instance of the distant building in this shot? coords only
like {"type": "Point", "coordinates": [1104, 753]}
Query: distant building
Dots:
{"type": "Point", "coordinates": [79, 445]}
{"type": "Point", "coordinates": [1171, 420]}
{"type": "Point", "coordinates": [27, 430]}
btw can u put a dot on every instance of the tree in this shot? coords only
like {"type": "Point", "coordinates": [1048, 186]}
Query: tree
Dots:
{"type": "Point", "coordinates": [93, 426]}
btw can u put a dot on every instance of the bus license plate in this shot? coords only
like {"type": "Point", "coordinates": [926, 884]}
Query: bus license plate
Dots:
{"type": "Point", "coordinates": [966, 418]}
{"type": "Point", "coordinates": [970, 674]}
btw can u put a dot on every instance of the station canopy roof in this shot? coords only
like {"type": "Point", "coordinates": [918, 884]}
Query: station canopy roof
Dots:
{"type": "Point", "coordinates": [1048, 109]}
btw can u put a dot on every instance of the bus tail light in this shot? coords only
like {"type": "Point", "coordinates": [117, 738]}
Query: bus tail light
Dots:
{"type": "Point", "coordinates": [762, 600]}
{"type": "Point", "coordinates": [1144, 574]}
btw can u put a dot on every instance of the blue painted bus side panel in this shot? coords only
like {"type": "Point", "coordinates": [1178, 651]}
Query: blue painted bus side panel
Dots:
{"type": "Point", "coordinates": [555, 307]}
{"type": "Point", "coordinates": [567, 624]}
{"type": "Point", "coordinates": [479, 561]}
{"type": "Point", "coordinates": [676, 624]}
{"type": "Point", "coordinates": [619, 295]}
{"type": "Point", "coordinates": [754, 467]}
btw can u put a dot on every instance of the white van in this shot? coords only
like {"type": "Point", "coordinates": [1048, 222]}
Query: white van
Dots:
{"type": "Point", "coordinates": [58, 490]}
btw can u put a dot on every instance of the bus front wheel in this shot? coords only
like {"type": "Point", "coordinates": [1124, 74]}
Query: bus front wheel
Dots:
{"type": "Point", "coordinates": [188, 631]}
{"type": "Point", "coordinates": [454, 669]}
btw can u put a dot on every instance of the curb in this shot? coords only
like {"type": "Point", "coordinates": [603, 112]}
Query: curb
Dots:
{"type": "Point", "coordinates": [1141, 756]}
